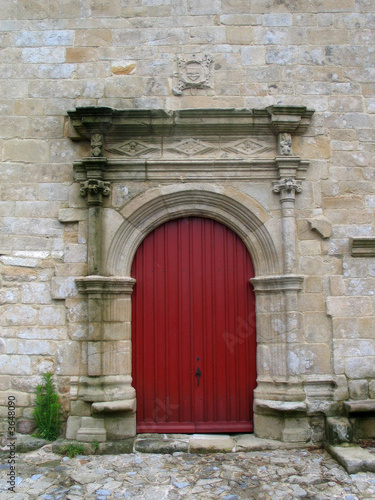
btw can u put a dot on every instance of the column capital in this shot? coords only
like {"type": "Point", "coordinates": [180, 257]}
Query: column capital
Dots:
{"type": "Point", "coordinates": [287, 187]}
{"type": "Point", "coordinates": [105, 284]}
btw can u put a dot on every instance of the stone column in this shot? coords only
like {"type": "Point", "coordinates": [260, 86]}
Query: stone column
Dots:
{"type": "Point", "coordinates": [288, 187]}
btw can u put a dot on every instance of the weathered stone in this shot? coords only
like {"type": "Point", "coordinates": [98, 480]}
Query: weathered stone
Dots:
{"type": "Point", "coordinates": [353, 458]}
{"type": "Point", "coordinates": [338, 430]}
{"type": "Point", "coordinates": [201, 443]}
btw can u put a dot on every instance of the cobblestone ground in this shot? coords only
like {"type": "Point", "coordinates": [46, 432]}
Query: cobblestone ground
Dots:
{"type": "Point", "coordinates": [281, 474]}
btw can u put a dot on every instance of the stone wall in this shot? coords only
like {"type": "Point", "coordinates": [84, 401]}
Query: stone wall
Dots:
{"type": "Point", "coordinates": [57, 56]}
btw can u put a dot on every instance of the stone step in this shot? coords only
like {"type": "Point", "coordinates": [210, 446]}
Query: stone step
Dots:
{"type": "Point", "coordinates": [353, 458]}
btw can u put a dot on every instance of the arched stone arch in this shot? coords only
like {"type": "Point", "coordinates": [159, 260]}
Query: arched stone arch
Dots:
{"type": "Point", "coordinates": [227, 205]}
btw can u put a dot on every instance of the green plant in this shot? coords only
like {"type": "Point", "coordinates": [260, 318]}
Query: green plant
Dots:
{"type": "Point", "coordinates": [47, 409]}
{"type": "Point", "coordinates": [95, 444]}
{"type": "Point", "coordinates": [72, 449]}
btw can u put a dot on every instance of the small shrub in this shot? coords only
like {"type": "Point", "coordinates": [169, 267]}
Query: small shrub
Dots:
{"type": "Point", "coordinates": [95, 444]}
{"type": "Point", "coordinates": [72, 450]}
{"type": "Point", "coordinates": [47, 409]}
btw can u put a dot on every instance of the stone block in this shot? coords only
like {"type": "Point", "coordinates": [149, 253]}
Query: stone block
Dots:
{"type": "Point", "coordinates": [91, 429]}
{"type": "Point", "coordinates": [75, 253]}
{"type": "Point", "coordinates": [296, 430]}
{"type": "Point", "coordinates": [268, 427]}
{"type": "Point", "coordinates": [35, 293]}
{"type": "Point", "coordinates": [16, 365]}
{"type": "Point", "coordinates": [348, 306]}
{"type": "Point", "coordinates": [80, 408]}
{"type": "Point", "coordinates": [73, 424]}
{"type": "Point", "coordinates": [197, 8]}
{"type": "Point", "coordinates": [53, 315]}
{"type": "Point", "coordinates": [338, 430]}
{"type": "Point", "coordinates": [121, 426]}
{"type": "Point", "coordinates": [116, 357]}
{"type": "Point", "coordinates": [277, 20]}
{"type": "Point", "coordinates": [358, 389]}
{"type": "Point", "coordinates": [209, 443]}
{"type": "Point", "coordinates": [64, 287]}
{"type": "Point", "coordinates": [36, 347]}
{"type": "Point", "coordinates": [317, 327]}
{"type": "Point", "coordinates": [26, 150]}
{"type": "Point", "coordinates": [81, 54]}
{"type": "Point", "coordinates": [253, 56]}
{"type": "Point", "coordinates": [346, 328]}
{"type": "Point", "coordinates": [239, 19]}
{"type": "Point", "coordinates": [18, 315]}
{"type": "Point", "coordinates": [360, 367]}
{"type": "Point", "coordinates": [242, 35]}
{"type": "Point", "coordinates": [68, 358]}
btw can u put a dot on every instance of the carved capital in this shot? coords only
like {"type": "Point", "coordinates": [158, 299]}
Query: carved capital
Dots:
{"type": "Point", "coordinates": [95, 187]}
{"type": "Point", "coordinates": [287, 186]}
{"type": "Point", "coordinates": [285, 144]}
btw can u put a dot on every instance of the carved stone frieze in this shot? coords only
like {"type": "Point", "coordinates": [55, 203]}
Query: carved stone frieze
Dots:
{"type": "Point", "coordinates": [133, 148]}
{"type": "Point", "coordinates": [247, 147]}
{"type": "Point", "coordinates": [193, 147]}
{"type": "Point", "coordinates": [193, 73]}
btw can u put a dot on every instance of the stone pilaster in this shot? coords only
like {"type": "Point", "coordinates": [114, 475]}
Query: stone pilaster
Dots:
{"type": "Point", "coordinates": [108, 384]}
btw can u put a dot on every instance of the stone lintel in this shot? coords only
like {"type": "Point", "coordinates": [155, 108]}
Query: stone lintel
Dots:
{"type": "Point", "coordinates": [105, 284]}
{"type": "Point", "coordinates": [355, 407]}
{"type": "Point", "coordinates": [113, 406]}
{"type": "Point", "coordinates": [362, 247]}
{"type": "Point", "coordinates": [245, 169]}
{"type": "Point", "coordinates": [282, 283]}
{"type": "Point", "coordinates": [212, 121]}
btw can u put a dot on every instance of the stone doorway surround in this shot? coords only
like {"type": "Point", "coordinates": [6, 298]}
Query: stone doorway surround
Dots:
{"type": "Point", "coordinates": [190, 163]}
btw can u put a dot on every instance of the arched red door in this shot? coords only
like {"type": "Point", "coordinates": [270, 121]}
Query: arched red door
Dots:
{"type": "Point", "coordinates": [193, 329]}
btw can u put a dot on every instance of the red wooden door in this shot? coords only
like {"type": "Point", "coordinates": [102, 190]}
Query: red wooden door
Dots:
{"type": "Point", "coordinates": [193, 329]}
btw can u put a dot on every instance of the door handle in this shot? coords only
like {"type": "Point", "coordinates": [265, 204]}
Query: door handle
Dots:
{"type": "Point", "coordinates": [198, 374]}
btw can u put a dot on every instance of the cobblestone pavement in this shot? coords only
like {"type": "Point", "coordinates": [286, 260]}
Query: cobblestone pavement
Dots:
{"type": "Point", "coordinates": [277, 474]}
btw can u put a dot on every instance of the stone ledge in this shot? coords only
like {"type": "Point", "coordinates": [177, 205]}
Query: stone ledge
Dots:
{"type": "Point", "coordinates": [279, 406]}
{"type": "Point", "coordinates": [363, 406]}
{"type": "Point", "coordinates": [119, 124]}
{"type": "Point", "coordinates": [287, 282]}
{"type": "Point", "coordinates": [104, 284]}
{"type": "Point", "coordinates": [353, 458]}
{"type": "Point", "coordinates": [113, 406]}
